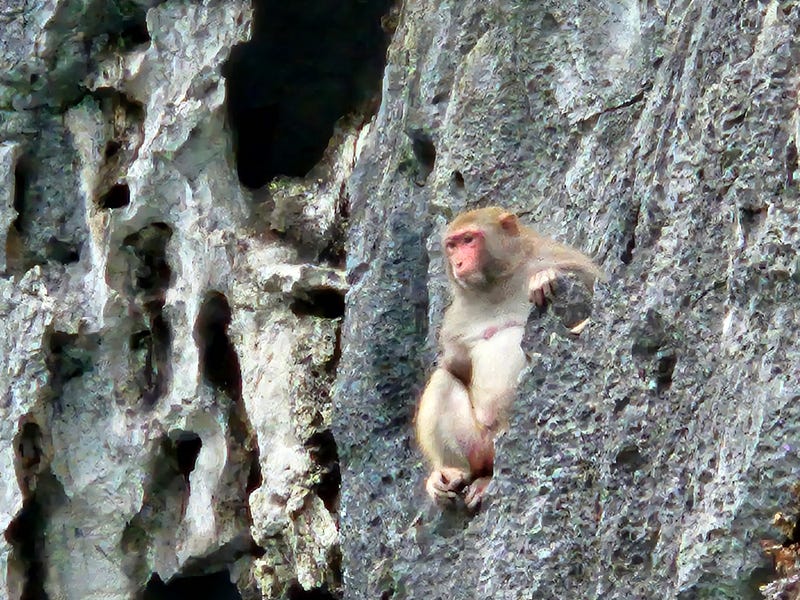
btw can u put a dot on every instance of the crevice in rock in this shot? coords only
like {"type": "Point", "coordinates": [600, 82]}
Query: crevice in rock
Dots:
{"type": "Point", "coordinates": [654, 350]}
{"type": "Point", "coordinates": [307, 65]}
{"type": "Point", "coordinates": [64, 253]}
{"type": "Point", "coordinates": [751, 221]}
{"type": "Point", "coordinates": [133, 31]}
{"type": "Point", "coordinates": [424, 151]}
{"type": "Point", "coordinates": [327, 473]}
{"type": "Point", "coordinates": [296, 592]}
{"type": "Point", "coordinates": [26, 566]}
{"type": "Point", "coordinates": [213, 586]}
{"type": "Point", "coordinates": [151, 277]}
{"type": "Point", "coordinates": [334, 252]}
{"type": "Point", "coordinates": [19, 257]}
{"type": "Point", "coordinates": [166, 495]}
{"type": "Point", "coordinates": [629, 459]}
{"type": "Point", "coordinates": [124, 132]}
{"type": "Point", "coordinates": [187, 449]}
{"type": "Point", "coordinates": [118, 196]}
{"type": "Point", "coordinates": [219, 362]}
{"type": "Point", "coordinates": [791, 162]}
{"type": "Point", "coordinates": [327, 303]}
{"type": "Point", "coordinates": [67, 356]}
{"type": "Point", "coordinates": [219, 365]}
{"type": "Point", "coordinates": [26, 533]}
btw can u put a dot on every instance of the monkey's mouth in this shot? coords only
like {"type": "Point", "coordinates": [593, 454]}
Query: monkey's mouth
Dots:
{"type": "Point", "coordinates": [471, 279]}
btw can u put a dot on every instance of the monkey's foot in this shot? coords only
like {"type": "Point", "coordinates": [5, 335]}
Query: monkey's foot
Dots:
{"type": "Point", "coordinates": [542, 286]}
{"type": "Point", "coordinates": [474, 493]}
{"type": "Point", "coordinates": [445, 484]}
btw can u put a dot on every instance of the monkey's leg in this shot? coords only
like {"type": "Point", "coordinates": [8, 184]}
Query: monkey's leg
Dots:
{"type": "Point", "coordinates": [496, 365]}
{"type": "Point", "coordinates": [450, 438]}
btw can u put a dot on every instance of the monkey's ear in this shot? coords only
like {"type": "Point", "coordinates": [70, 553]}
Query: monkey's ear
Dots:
{"type": "Point", "coordinates": [509, 223]}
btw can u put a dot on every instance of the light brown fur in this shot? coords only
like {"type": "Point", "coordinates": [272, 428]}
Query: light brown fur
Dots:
{"type": "Point", "coordinates": [497, 267]}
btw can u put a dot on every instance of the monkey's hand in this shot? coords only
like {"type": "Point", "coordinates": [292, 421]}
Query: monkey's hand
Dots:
{"type": "Point", "coordinates": [444, 485]}
{"type": "Point", "coordinates": [475, 492]}
{"type": "Point", "coordinates": [542, 286]}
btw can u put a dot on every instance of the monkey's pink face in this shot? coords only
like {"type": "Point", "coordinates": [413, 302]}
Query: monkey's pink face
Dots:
{"type": "Point", "coordinates": [464, 249]}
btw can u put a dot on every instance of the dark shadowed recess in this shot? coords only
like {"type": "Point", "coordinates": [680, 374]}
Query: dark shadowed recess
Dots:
{"type": "Point", "coordinates": [296, 592]}
{"type": "Point", "coordinates": [216, 586]}
{"type": "Point", "coordinates": [309, 63]}
{"type": "Point", "coordinates": [322, 302]}
{"type": "Point", "coordinates": [219, 362]}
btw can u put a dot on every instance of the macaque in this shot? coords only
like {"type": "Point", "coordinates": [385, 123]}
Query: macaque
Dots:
{"type": "Point", "coordinates": [497, 267]}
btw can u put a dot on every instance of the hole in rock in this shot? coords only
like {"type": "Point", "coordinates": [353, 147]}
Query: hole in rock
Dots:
{"type": "Point", "coordinates": [424, 149]}
{"type": "Point", "coordinates": [296, 592]}
{"type": "Point", "coordinates": [118, 196]}
{"type": "Point", "coordinates": [327, 303]}
{"type": "Point", "coordinates": [134, 33]}
{"type": "Point", "coordinates": [67, 356]}
{"type": "Point", "coordinates": [23, 175]}
{"type": "Point", "coordinates": [665, 366]}
{"type": "Point", "coordinates": [149, 246]}
{"type": "Point", "coordinates": [25, 534]}
{"type": "Point", "coordinates": [28, 455]}
{"type": "Point", "coordinates": [61, 252]}
{"type": "Point", "coordinates": [629, 459]}
{"type": "Point", "coordinates": [323, 450]}
{"type": "Point", "coordinates": [215, 586]}
{"type": "Point", "coordinates": [219, 362]}
{"type": "Point", "coordinates": [308, 64]}
{"type": "Point", "coordinates": [626, 256]}
{"type": "Point", "coordinates": [187, 449]}
{"type": "Point", "coordinates": [112, 148]}
{"type": "Point", "coordinates": [152, 347]}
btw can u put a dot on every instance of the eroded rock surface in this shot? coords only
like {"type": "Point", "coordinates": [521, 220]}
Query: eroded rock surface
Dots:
{"type": "Point", "coordinates": [221, 277]}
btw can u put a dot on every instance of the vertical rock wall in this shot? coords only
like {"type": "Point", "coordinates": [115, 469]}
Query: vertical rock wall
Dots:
{"type": "Point", "coordinates": [170, 322]}
{"type": "Point", "coordinates": [189, 189]}
{"type": "Point", "coordinates": [648, 455]}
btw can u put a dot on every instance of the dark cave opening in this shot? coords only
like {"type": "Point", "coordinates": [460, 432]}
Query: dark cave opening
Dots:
{"type": "Point", "coordinates": [309, 63]}
{"type": "Point", "coordinates": [296, 592]}
{"type": "Point", "coordinates": [187, 449]}
{"type": "Point", "coordinates": [214, 586]}
{"type": "Point", "coordinates": [219, 362]}
{"type": "Point", "coordinates": [327, 303]}
{"type": "Point", "coordinates": [23, 173]}
{"type": "Point", "coordinates": [153, 273]}
{"type": "Point", "coordinates": [152, 276]}
{"type": "Point", "coordinates": [324, 453]}
{"type": "Point", "coordinates": [25, 534]}
{"type": "Point", "coordinates": [118, 196]}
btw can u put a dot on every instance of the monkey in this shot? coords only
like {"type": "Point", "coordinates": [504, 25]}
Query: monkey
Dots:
{"type": "Point", "coordinates": [496, 267]}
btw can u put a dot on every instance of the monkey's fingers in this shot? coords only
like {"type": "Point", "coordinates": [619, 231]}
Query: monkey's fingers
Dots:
{"type": "Point", "coordinates": [475, 492]}
{"type": "Point", "coordinates": [542, 286]}
{"type": "Point", "coordinates": [445, 484]}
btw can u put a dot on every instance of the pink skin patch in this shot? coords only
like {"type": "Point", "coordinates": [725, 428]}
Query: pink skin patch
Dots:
{"type": "Point", "coordinates": [463, 250]}
{"type": "Point", "coordinates": [491, 331]}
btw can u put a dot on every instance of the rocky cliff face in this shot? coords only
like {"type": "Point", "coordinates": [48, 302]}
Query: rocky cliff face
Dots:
{"type": "Point", "coordinates": [221, 287]}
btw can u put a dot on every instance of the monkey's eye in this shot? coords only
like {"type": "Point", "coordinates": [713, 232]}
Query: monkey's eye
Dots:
{"type": "Point", "coordinates": [468, 239]}
{"type": "Point", "coordinates": [450, 245]}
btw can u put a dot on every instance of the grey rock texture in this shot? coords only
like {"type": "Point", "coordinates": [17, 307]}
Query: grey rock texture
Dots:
{"type": "Point", "coordinates": [647, 456]}
{"type": "Point", "coordinates": [198, 333]}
